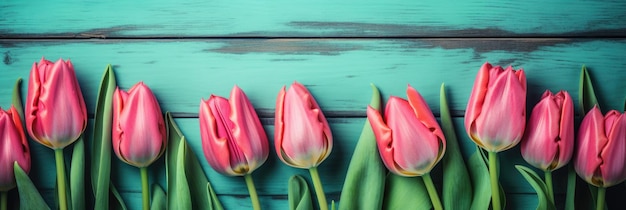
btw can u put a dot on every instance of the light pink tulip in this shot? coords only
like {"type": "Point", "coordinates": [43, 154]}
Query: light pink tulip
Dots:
{"type": "Point", "coordinates": [302, 136]}
{"type": "Point", "coordinates": [496, 112]}
{"type": "Point", "coordinates": [601, 148]}
{"type": "Point", "coordinates": [13, 147]}
{"type": "Point", "coordinates": [55, 109]}
{"type": "Point", "coordinates": [233, 138]}
{"type": "Point", "coordinates": [139, 135]}
{"type": "Point", "coordinates": [549, 140]}
{"type": "Point", "coordinates": [410, 141]}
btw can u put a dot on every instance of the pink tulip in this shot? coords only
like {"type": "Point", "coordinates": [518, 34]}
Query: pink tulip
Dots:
{"type": "Point", "coordinates": [302, 137]}
{"type": "Point", "coordinates": [13, 148]}
{"type": "Point", "coordinates": [139, 136]}
{"type": "Point", "coordinates": [233, 138]}
{"type": "Point", "coordinates": [601, 148]}
{"type": "Point", "coordinates": [55, 109]}
{"type": "Point", "coordinates": [496, 112]}
{"type": "Point", "coordinates": [549, 140]}
{"type": "Point", "coordinates": [410, 141]}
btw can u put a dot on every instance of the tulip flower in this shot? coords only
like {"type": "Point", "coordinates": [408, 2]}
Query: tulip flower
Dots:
{"type": "Point", "coordinates": [13, 148]}
{"type": "Point", "coordinates": [55, 109]}
{"type": "Point", "coordinates": [549, 140]}
{"type": "Point", "coordinates": [139, 136]}
{"type": "Point", "coordinates": [233, 138]}
{"type": "Point", "coordinates": [495, 117]}
{"type": "Point", "coordinates": [302, 136]}
{"type": "Point", "coordinates": [55, 115]}
{"type": "Point", "coordinates": [410, 141]}
{"type": "Point", "coordinates": [601, 150]}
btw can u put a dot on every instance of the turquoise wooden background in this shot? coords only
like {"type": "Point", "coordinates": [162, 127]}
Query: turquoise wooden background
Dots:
{"type": "Point", "coordinates": [186, 50]}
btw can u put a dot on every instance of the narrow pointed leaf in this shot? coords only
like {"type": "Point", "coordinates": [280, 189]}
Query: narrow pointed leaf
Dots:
{"type": "Point", "coordinates": [17, 98]}
{"type": "Point", "coordinates": [479, 174]}
{"type": "Point", "coordinates": [586, 95]}
{"type": "Point", "coordinates": [212, 200]}
{"type": "Point", "coordinates": [457, 188]}
{"type": "Point", "coordinates": [365, 179]}
{"type": "Point", "coordinates": [405, 192]}
{"type": "Point", "coordinates": [537, 183]}
{"type": "Point", "coordinates": [299, 194]}
{"type": "Point", "coordinates": [117, 203]}
{"type": "Point", "coordinates": [29, 196]}
{"type": "Point", "coordinates": [101, 141]}
{"type": "Point", "coordinates": [159, 199]}
{"type": "Point", "coordinates": [193, 172]}
{"type": "Point", "coordinates": [77, 175]}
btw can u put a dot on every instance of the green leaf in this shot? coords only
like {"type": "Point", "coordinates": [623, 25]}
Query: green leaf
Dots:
{"type": "Point", "coordinates": [211, 198]}
{"type": "Point", "coordinates": [77, 175]}
{"type": "Point", "coordinates": [17, 98]}
{"type": "Point", "coordinates": [457, 188]}
{"type": "Point", "coordinates": [402, 192]}
{"type": "Point", "coordinates": [29, 196]}
{"type": "Point", "coordinates": [586, 95]}
{"type": "Point", "coordinates": [159, 199]}
{"type": "Point", "coordinates": [193, 173]}
{"type": "Point", "coordinates": [540, 187]}
{"type": "Point", "coordinates": [101, 142]}
{"type": "Point", "coordinates": [118, 202]}
{"type": "Point", "coordinates": [365, 179]}
{"type": "Point", "coordinates": [299, 194]}
{"type": "Point", "coordinates": [479, 174]}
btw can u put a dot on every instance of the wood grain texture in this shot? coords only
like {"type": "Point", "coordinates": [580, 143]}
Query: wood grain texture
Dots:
{"type": "Point", "coordinates": [187, 50]}
{"type": "Point", "coordinates": [338, 72]}
{"type": "Point", "coordinates": [327, 18]}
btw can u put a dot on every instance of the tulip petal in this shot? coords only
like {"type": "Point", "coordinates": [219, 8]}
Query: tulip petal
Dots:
{"type": "Point", "coordinates": [476, 100]}
{"type": "Point", "coordinates": [613, 168]}
{"type": "Point", "coordinates": [251, 137]}
{"type": "Point", "coordinates": [383, 138]}
{"type": "Point", "coordinates": [591, 141]}
{"type": "Point", "coordinates": [539, 147]}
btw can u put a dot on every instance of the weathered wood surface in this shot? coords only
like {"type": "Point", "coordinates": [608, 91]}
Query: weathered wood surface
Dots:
{"type": "Point", "coordinates": [283, 18]}
{"type": "Point", "coordinates": [187, 50]}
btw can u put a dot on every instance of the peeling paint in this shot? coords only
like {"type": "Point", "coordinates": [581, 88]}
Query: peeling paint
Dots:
{"type": "Point", "coordinates": [285, 46]}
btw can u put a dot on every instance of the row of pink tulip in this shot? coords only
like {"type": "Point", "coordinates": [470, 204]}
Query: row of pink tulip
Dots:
{"type": "Point", "coordinates": [410, 140]}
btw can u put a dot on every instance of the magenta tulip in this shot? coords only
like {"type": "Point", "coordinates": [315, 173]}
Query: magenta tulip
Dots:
{"type": "Point", "coordinates": [139, 135]}
{"type": "Point", "coordinates": [549, 140]}
{"type": "Point", "coordinates": [233, 138]}
{"type": "Point", "coordinates": [55, 109]}
{"type": "Point", "coordinates": [302, 137]}
{"type": "Point", "coordinates": [409, 138]}
{"type": "Point", "coordinates": [13, 148]}
{"type": "Point", "coordinates": [496, 112]}
{"type": "Point", "coordinates": [601, 148]}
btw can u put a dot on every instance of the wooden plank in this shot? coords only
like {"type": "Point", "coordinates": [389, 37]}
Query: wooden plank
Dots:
{"type": "Point", "coordinates": [326, 18]}
{"type": "Point", "coordinates": [337, 71]}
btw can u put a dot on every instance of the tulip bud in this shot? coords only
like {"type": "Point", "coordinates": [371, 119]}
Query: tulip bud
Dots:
{"type": "Point", "coordinates": [302, 137]}
{"type": "Point", "coordinates": [601, 148]}
{"type": "Point", "coordinates": [233, 138]}
{"type": "Point", "coordinates": [549, 140]}
{"type": "Point", "coordinates": [55, 109]}
{"type": "Point", "coordinates": [496, 112]}
{"type": "Point", "coordinates": [139, 135]}
{"type": "Point", "coordinates": [410, 141]}
{"type": "Point", "coordinates": [13, 147]}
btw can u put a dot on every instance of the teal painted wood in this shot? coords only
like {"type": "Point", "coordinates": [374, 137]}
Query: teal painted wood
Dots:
{"type": "Point", "coordinates": [338, 72]}
{"type": "Point", "coordinates": [283, 18]}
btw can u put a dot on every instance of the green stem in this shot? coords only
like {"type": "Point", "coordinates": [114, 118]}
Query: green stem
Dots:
{"type": "Point", "coordinates": [256, 205]}
{"type": "Point", "coordinates": [600, 198]}
{"type": "Point", "coordinates": [4, 201]}
{"type": "Point", "coordinates": [319, 191]}
{"type": "Point", "coordinates": [145, 189]}
{"type": "Point", "coordinates": [58, 156]}
{"type": "Point", "coordinates": [548, 177]}
{"type": "Point", "coordinates": [493, 174]}
{"type": "Point", "coordinates": [432, 192]}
